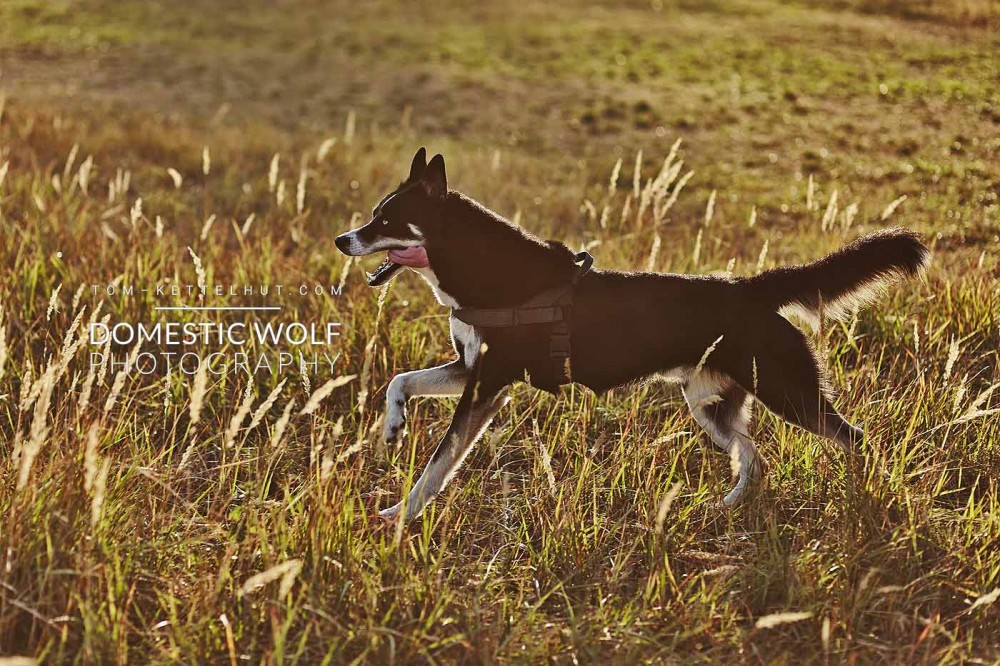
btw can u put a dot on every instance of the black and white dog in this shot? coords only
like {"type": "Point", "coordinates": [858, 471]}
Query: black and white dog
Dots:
{"type": "Point", "coordinates": [722, 338]}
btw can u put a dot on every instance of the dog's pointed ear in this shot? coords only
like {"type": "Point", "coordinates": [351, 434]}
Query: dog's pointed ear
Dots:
{"type": "Point", "coordinates": [434, 179]}
{"type": "Point", "coordinates": [418, 165]}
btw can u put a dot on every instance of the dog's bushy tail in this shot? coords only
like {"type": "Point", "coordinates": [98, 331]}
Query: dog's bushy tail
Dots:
{"type": "Point", "coordinates": [849, 278]}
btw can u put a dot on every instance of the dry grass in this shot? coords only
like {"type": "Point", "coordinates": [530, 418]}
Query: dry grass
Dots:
{"type": "Point", "coordinates": [208, 518]}
{"type": "Point", "coordinates": [144, 521]}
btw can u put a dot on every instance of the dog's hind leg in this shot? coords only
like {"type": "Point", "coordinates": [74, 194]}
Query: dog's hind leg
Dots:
{"type": "Point", "coordinates": [722, 408]}
{"type": "Point", "coordinates": [477, 407]}
{"type": "Point", "coordinates": [444, 380]}
{"type": "Point", "coordinates": [786, 376]}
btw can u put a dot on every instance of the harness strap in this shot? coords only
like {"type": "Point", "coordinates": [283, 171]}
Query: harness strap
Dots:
{"type": "Point", "coordinates": [552, 306]}
{"type": "Point", "coordinates": [507, 317]}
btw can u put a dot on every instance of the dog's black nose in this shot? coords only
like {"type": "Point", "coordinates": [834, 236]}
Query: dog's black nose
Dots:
{"type": "Point", "coordinates": [343, 243]}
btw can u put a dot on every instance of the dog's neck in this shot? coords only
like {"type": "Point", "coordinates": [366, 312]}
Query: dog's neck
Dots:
{"type": "Point", "coordinates": [482, 260]}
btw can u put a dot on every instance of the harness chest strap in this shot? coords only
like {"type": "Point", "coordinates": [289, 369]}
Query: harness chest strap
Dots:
{"type": "Point", "coordinates": [552, 306]}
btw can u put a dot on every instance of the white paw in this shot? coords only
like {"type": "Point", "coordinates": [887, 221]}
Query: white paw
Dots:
{"type": "Point", "coordinates": [735, 495]}
{"type": "Point", "coordinates": [395, 419]}
{"type": "Point", "coordinates": [414, 507]}
{"type": "Point", "coordinates": [395, 411]}
{"type": "Point", "coordinates": [751, 469]}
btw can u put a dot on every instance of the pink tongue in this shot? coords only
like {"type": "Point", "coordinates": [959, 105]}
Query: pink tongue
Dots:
{"type": "Point", "coordinates": [411, 256]}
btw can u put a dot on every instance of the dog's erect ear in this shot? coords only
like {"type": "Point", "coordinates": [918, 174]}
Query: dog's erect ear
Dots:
{"type": "Point", "coordinates": [434, 179]}
{"type": "Point", "coordinates": [418, 165]}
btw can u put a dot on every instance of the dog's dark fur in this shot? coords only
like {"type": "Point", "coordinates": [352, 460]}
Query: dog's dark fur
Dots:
{"type": "Point", "coordinates": [721, 337]}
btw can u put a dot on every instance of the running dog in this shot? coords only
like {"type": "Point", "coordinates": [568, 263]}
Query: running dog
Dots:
{"type": "Point", "coordinates": [532, 307]}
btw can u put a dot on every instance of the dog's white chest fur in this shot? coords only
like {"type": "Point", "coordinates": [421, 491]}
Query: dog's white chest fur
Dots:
{"type": "Point", "coordinates": [465, 337]}
{"type": "Point", "coordinates": [443, 298]}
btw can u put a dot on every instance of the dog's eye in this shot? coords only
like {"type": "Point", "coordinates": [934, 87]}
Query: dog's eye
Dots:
{"type": "Point", "coordinates": [385, 221]}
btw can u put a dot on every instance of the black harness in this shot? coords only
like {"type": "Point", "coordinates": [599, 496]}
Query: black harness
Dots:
{"type": "Point", "coordinates": [552, 306]}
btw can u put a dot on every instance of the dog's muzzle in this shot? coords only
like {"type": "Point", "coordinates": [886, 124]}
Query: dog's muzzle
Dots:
{"type": "Point", "coordinates": [345, 243]}
{"type": "Point", "coordinates": [350, 245]}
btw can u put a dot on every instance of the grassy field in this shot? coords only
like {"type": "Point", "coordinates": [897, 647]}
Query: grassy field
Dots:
{"type": "Point", "coordinates": [220, 519]}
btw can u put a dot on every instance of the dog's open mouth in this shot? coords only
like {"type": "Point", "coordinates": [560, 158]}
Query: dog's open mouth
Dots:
{"type": "Point", "coordinates": [415, 257]}
{"type": "Point", "coordinates": [383, 273]}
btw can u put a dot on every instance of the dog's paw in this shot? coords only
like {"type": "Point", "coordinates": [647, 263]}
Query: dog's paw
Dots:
{"type": "Point", "coordinates": [734, 497]}
{"type": "Point", "coordinates": [395, 412]}
{"type": "Point", "coordinates": [391, 513]}
{"type": "Point", "coordinates": [395, 422]}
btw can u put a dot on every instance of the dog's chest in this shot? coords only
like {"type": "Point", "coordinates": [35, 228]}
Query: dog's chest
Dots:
{"type": "Point", "coordinates": [442, 297]}
{"type": "Point", "coordinates": [464, 337]}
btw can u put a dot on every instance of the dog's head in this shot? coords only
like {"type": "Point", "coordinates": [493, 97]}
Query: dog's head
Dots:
{"type": "Point", "coordinates": [402, 221]}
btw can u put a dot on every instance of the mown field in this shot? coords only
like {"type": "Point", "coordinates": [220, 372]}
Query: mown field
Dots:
{"type": "Point", "coordinates": [176, 518]}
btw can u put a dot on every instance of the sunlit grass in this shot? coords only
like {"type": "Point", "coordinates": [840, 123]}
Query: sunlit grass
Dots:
{"type": "Point", "coordinates": [149, 521]}
{"type": "Point", "coordinates": [189, 519]}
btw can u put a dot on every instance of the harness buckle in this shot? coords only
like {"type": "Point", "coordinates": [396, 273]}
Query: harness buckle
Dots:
{"type": "Point", "coordinates": [559, 344]}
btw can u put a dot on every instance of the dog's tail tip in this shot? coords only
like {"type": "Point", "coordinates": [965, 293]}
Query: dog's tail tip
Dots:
{"type": "Point", "coordinates": [847, 279]}
{"type": "Point", "coordinates": [905, 251]}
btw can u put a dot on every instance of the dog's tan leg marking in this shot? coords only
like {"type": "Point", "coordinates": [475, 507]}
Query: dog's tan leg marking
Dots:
{"type": "Point", "coordinates": [475, 411]}
{"type": "Point", "coordinates": [723, 409]}
{"type": "Point", "coordinates": [444, 380]}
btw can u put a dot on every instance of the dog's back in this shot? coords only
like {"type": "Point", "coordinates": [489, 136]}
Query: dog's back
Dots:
{"type": "Point", "coordinates": [630, 325]}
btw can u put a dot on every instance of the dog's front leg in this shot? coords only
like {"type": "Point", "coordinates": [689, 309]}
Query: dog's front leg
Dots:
{"type": "Point", "coordinates": [444, 380]}
{"type": "Point", "coordinates": [475, 410]}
